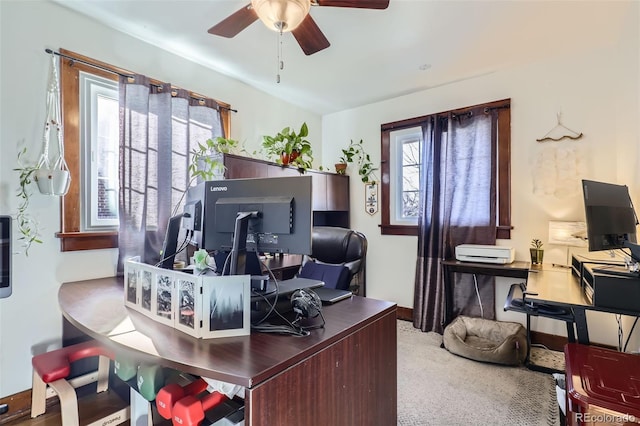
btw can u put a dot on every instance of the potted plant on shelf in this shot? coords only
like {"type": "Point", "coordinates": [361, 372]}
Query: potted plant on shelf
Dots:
{"type": "Point", "coordinates": [355, 153]}
{"type": "Point", "coordinates": [536, 251]}
{"type": "Point", "coordinates": [289, 147]}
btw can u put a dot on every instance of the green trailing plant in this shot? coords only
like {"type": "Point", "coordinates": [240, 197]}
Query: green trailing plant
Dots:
{"type": "Point", "coordinates": [205, 158]}
{"type": "Point", "coordinates": [356, 154]}
{"type": "Point", "coordinates": [27, 225]}
{"type": "Point", "coordinates": [289, 147]}
{"type": "Point", "coordinates": [206, 161]}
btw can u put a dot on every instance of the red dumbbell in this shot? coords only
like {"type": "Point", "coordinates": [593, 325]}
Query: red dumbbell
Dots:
{"type": "Point", "coordinates": [189, 411]}
{"type": "Point", "coordinates": [170, 394]}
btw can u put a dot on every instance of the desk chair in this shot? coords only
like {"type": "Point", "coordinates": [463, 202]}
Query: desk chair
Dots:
{"type": "Point", "coordinates": [336, 246]}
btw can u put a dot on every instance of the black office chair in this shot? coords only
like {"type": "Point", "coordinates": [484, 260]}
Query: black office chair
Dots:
{"type": "Point", "coordinates": [333, 246]}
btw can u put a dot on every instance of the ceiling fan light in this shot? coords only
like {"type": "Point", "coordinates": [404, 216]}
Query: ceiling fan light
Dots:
{"type": "Point", "coordinates": [281, 15]}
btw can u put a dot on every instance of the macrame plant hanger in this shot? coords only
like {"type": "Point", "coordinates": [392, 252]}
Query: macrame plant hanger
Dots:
{"type": "Point", "coordinates": [53, 178]}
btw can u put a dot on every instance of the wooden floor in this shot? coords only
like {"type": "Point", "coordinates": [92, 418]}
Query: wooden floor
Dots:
{"type": "Point", "coordinates": [91, 408]}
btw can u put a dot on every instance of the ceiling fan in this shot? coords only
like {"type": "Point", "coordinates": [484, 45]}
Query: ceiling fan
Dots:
{"type": "Point", "coordinates": [289, 16]}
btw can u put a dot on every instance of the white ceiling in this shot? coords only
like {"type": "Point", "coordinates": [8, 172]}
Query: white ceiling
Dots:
{"type": "Point", "coordinates": [374, 54]}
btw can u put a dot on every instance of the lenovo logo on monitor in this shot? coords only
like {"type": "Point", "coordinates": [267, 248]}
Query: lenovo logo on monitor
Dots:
{"type": "Point", "coordinates": [218, 188]}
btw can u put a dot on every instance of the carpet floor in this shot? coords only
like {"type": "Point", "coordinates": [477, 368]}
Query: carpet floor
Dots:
{"type": "Point", "coordinates": [436, 387]}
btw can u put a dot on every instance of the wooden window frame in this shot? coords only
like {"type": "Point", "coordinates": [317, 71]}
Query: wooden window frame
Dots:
{"type": "Point", "coordinates": [70, 235]}
{"type": "Point", "coordinates": [503, 229]}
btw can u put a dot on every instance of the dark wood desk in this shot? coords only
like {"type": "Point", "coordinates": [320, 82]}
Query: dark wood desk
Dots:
{"type": "Point", "coordinates": [515, 269]}
{"type": "Point", "coordinates": [344, 374]}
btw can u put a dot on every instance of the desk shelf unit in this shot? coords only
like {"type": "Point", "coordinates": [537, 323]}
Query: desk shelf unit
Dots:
{"type": "Point", "coordinates": [330, 203]}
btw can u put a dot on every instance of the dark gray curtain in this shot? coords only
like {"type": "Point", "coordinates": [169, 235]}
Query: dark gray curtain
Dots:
{"type": "Point", "coordinates": [158, 128]}
{"type": "Point", "coordinates": [458, 205]}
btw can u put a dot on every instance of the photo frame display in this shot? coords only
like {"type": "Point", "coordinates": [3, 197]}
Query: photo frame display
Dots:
{"type": "Point", "coordinates": [203, 306]}
{"type": "Point", "coordinates": [164, 297]}
{"type": "Point", "coordinates": [226, 306]}
{"type": "Point", "coordinates": [131, 284]}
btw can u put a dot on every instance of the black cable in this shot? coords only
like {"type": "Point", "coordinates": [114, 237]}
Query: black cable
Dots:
{"type": "Point", "coordinates": [629, 335]}
{"type": "Point", "coordinates": [620, 332]}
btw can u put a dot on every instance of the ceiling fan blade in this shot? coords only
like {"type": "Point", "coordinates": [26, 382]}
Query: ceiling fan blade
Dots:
{"type": "Point", "coordinates": [233, 24]}
{"type": "Point", "coordinates": [309, 36]}
{"type": "Point", "coordinates": [361, 4]}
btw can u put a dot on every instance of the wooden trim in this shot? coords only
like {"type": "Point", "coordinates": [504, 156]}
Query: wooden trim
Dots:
{"type": "Point", "coordinates": [504, 173]}
{"type": "Point", "coordinates": [405, 314]}
{"type": "Point", "coordinates": [74, 241]}
{"type": "Point", "coordinates": [20, 406]}
{"type": "Point", "coordinates": [551, 341]}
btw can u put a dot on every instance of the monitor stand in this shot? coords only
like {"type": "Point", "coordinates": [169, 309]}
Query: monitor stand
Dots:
{"type": "Point", "coordinates": [239, 247]}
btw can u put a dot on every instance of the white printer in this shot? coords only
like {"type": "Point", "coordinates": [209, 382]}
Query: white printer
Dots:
{"type": "Point", "coordinates": [485, 253]}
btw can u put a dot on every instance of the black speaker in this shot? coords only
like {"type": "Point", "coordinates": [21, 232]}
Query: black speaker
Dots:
{"type": "Point", "coordinates": [306, 303]}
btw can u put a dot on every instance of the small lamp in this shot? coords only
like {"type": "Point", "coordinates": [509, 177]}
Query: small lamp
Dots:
{"type": "Point", "coordinates": [567, 234]}
{"type": "Point", "coordinates": [281, 15]}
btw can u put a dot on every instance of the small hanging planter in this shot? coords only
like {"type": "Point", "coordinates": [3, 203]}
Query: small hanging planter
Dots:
{"type": "Point", "coordinates": [52, 177]}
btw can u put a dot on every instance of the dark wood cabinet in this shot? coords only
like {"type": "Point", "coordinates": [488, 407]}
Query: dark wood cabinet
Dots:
{"type": "Point", "coordinates": [330, 190]}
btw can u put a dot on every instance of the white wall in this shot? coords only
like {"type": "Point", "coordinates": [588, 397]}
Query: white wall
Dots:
{"type": "Point", "coordinates": [596, 91]}
{"type": "Point", "coordinates": [30, 319]}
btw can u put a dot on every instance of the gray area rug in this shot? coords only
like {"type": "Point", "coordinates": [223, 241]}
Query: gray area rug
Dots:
{"type": "Point", "coordinates": [436, 387]}
{"type": "Point", "coordinates": [547, 358]}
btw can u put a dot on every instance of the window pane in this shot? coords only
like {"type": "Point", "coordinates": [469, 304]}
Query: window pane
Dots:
{"type": "Point", "coordinates": [107, 158]}
{"type": "Point", "coordinates": [99, 121]}
{"type": "Point", "coordinates": [411, 152]}
{"type": "Point", "coordinates": [410, 191]}
{"type": "Point", "coordinates": [405, 165]}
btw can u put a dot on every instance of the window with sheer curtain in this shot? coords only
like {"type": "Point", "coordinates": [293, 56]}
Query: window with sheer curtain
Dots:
{"type": "Point", "coordinates": [92, 119]}
{"type": "Point", "coordinates": [402, 166]}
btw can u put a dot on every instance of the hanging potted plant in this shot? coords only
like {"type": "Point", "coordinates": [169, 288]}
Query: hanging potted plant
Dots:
{"type": "Point", "coordinates": [290, 148]}
{"type": "Point", "coordinates": [52, 177]}
{"type": "Point", "coordinates": [355, 153]}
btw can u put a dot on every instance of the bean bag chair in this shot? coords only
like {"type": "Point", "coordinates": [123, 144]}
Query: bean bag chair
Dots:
{"type": "Point", "coordinates": [498, 342]}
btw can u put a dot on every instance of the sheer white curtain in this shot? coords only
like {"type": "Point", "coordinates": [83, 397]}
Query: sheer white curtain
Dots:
{"type": "Point", "coordinates": [158, 128]}
{"type": "Point", "coordinates": [458, 206]}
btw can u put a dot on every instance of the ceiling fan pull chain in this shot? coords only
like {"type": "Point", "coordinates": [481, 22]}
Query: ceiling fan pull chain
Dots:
{"type": "Point", "coordinates": [280, 61]}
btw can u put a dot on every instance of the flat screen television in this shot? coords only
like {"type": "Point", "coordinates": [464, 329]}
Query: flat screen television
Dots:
{"type": "Point", "coordinates": [610, 216]}
{"type": "Point", "coordinates": [271, 215]}
{"type": "Point", "coordinates": [5, 256]}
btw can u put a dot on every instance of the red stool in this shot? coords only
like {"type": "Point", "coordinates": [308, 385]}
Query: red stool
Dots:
{"type": "Point", "coordinates": [50, 372]}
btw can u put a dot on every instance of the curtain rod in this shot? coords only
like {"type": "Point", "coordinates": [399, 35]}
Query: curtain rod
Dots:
{"type": "Point", "coordinates": [100, 67]}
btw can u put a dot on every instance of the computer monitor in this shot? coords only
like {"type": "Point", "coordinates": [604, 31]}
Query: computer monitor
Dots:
{"type": "Point", "coordinates": [170, 245]}
{"type": "Point", "coordinates": [272, 215]}
{"type": "Point", "coordinates": [610, 217]}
